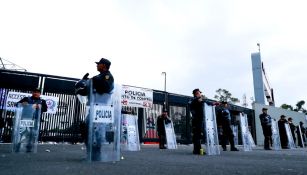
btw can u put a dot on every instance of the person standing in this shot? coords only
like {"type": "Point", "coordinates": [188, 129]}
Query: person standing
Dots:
{"type": "Point", "coordinates": [35, 100]}
{"type": "Point", "coordinates": [301, 132]}
{"type": "Point", "coordinates": [266, 123]}
{"type": "Point", "coordinates": [197, 110]}
{"type": "Point", "coordinates": [227, 135]}
{"type": "Point", "coordinates": [37, 103]}
{"type": "Point", "coordinates": [161, 121]}
{"type": "Point", "coordinates": [102, 83]}
{"type": "Point", "coordinates": [282, 132]}
{"type": "Point", "coordinates": [292, 128]}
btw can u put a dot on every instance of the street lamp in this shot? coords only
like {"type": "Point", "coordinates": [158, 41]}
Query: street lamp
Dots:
{"type": "Point", "coordinates": [258, 44]}
{"type": "Point", "coordinates": [164, 73]}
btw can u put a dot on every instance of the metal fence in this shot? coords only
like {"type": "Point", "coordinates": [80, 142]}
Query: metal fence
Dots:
{"type": "Point", "coordinates": [65, 125]}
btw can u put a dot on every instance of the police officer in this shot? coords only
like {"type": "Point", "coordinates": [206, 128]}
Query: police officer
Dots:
{"type": "Point", "coordinates": [197, 110]}
{"type": "Point", "coordinates": [301, 134]}
{"type": "Point", "coordinates": [102, 83]}
{"type": "Point", "coordinates": [266, 123]}
{"type": "Point", "coordinates": [225, 119]}
{"type": "Point", "coordinates": [292, 128]}
{"type": "Point", "coordinates": [283, 132]}
{"type": "Point", "coordinates": [35, 100]}
{"type": "Point", "coordinates": [161, 121]}
{"type": "Point", "coordinates": [37, 103]}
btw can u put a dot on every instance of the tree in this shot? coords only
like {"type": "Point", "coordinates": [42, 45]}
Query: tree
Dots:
{"type": "Point", "coordinates": [225, 95]}
{"type": "Point", "coordinates": [286, 106]}
{"type": "Point", "coordinates": [299, 106]}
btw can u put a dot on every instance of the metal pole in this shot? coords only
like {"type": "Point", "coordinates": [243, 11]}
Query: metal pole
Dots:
{"type": "Point", "coordinates": [164, 73]}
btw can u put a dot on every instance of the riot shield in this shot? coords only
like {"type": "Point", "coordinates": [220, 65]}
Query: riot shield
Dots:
{"type": "Point", "coordinates": [301, 139]}
{"type": "Point", "coordinates": [170, 135]}
{"type": "Point", "coordinates": [235, 134]}
{"type": "Point", "coordinates": [251, 140]}
{"type": "Point", "coordinates": [103, 121]}
{"type": "Point", "coordinates": [26, 128]}
{"type": "Point", "coordinates": [291, 143]}
{"type": "Point", "coordinates": [245, 133]}
{"type": "Point", "coordinates": [130, 133]}
{"type": "Point", "coordinates": [275, 136]}
{"type": "Point", "coordinates": [212, 141]}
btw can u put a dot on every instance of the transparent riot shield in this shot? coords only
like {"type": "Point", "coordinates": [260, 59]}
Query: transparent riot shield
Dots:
{"type": "Point", "coordinates": [103, 121]}
{"type": "Point", "coordinates": [291, 143]}
{"type": "Point", "coordinates": [245, 133]}
{"type": "Point", "coordinates": [235, 134]}
{"type": "Point", "coordinates": [212, 141]}
{"type": "Point", "coordinates": [275, 136]}
{"type": "Point", "coordinates": [300, 135]}
{"type": "Point", "coordinates": [130, 133]}
{"type": "Point", "coordinates": [26, 128]}
{"type": "Point", "coordinates": [171, 142]}
{"type": "Point", "coordinates": [251, 140]}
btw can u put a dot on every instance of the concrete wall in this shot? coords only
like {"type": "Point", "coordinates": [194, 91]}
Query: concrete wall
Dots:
{"type": "Point", "coordinates": [275, 113]}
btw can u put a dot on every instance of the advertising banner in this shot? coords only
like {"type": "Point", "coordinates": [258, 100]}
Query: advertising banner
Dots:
{"type": "Point", "coordinates": [14, 97]}
{"type": "Point", "coordinates": [137, 97]}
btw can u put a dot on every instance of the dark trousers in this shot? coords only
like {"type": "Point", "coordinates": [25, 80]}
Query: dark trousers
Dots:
{"type": "Point", "coordinates": [162, 141]}
{"type": "Point", "coordinates": [267, 133]}
{"type": "Point", "coordinates": [196, 139]}
{"type": "Point", "coordinates": [227, 136]}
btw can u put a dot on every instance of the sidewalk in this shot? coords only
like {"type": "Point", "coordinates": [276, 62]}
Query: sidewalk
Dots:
{"type": "Point", "coordinates": [65, 159]}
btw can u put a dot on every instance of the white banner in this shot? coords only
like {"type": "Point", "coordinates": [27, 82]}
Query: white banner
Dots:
{"type": "Point", "coordinates": [137, 97]}
{"type": "Point", "coordinates": [14, 97]}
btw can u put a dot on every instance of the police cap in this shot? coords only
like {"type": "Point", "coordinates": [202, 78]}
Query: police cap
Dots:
{"type": "Point", "coordinates": [264, 109]}
{"type": "Point", "coordinates": [196, 90]}
{"type": "Point", "coordinates": [104, 61]}
{"type": "Point", "coordinates": [36, 90]}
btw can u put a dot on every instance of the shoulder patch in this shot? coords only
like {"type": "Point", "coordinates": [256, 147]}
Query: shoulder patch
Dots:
{"type": "Point", "coordinates": [107, 77]}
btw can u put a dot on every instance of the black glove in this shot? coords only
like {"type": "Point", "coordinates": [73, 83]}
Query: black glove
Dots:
{"type": "Point", "coordinates": [85, 77]}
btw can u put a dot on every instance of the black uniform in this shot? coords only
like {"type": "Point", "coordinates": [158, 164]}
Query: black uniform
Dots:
{"type": "Point", "coordinates": [104, 82]}
{"type": "Point", "coordinates": [33, 100]}
{"type": "Point", "coordinates": [283, 133]}
{"type": "Point", "coordinates": [292, 128]}
{"type": "Point", "coordinates": [266, 123]}
{"type": "Point", "coordinates": [225, 121]}
{"type": "Point", "coordinates": [299, 140]}
{"type": "Point", "coordinates": [197, 110]}
{"type": "Point", "coordinates": [161, 130]}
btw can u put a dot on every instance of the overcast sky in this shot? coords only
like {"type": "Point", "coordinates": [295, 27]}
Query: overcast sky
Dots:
{"type": "Point", "coordinates": [204, 44]}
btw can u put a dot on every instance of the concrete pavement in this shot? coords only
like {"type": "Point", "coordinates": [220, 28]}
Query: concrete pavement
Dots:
{"type": "Point", "coordinates": [60, 159]}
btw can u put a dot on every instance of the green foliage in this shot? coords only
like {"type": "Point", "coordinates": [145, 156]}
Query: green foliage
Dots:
{"type": "Point", "coordinates": [299, 107]}
{"type": "Point", "coordinates": [225, 95]}
{"type": "Point", "coordinates": [286, 106]}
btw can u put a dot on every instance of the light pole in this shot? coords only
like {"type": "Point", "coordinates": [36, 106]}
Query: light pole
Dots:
{"type": "Point", "coordinates": [258, 44]}
{"type": "Point", "coordinates": [164, 73]}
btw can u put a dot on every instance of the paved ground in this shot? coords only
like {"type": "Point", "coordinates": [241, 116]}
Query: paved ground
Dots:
{"type": "Point", "coordinates": [64, 159]}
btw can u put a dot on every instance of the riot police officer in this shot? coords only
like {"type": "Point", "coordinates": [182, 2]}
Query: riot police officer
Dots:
{"type": "Point", "coordinates": [39, 104]}
{"type": "Point", "coordinates": [36, 100]}
{"type": "Point", "coordinates": [102, 83]}
{"type": "Point", "coordinates": [266, 123]}
{"type": "Point", "coordinates": [283, 132]}
{"type": "Point", "coordinates": [225, 119]}
{"type": "Point", "coordinates": [161, 121]}
{"type": "Point", "coordinates": [197, 110]}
